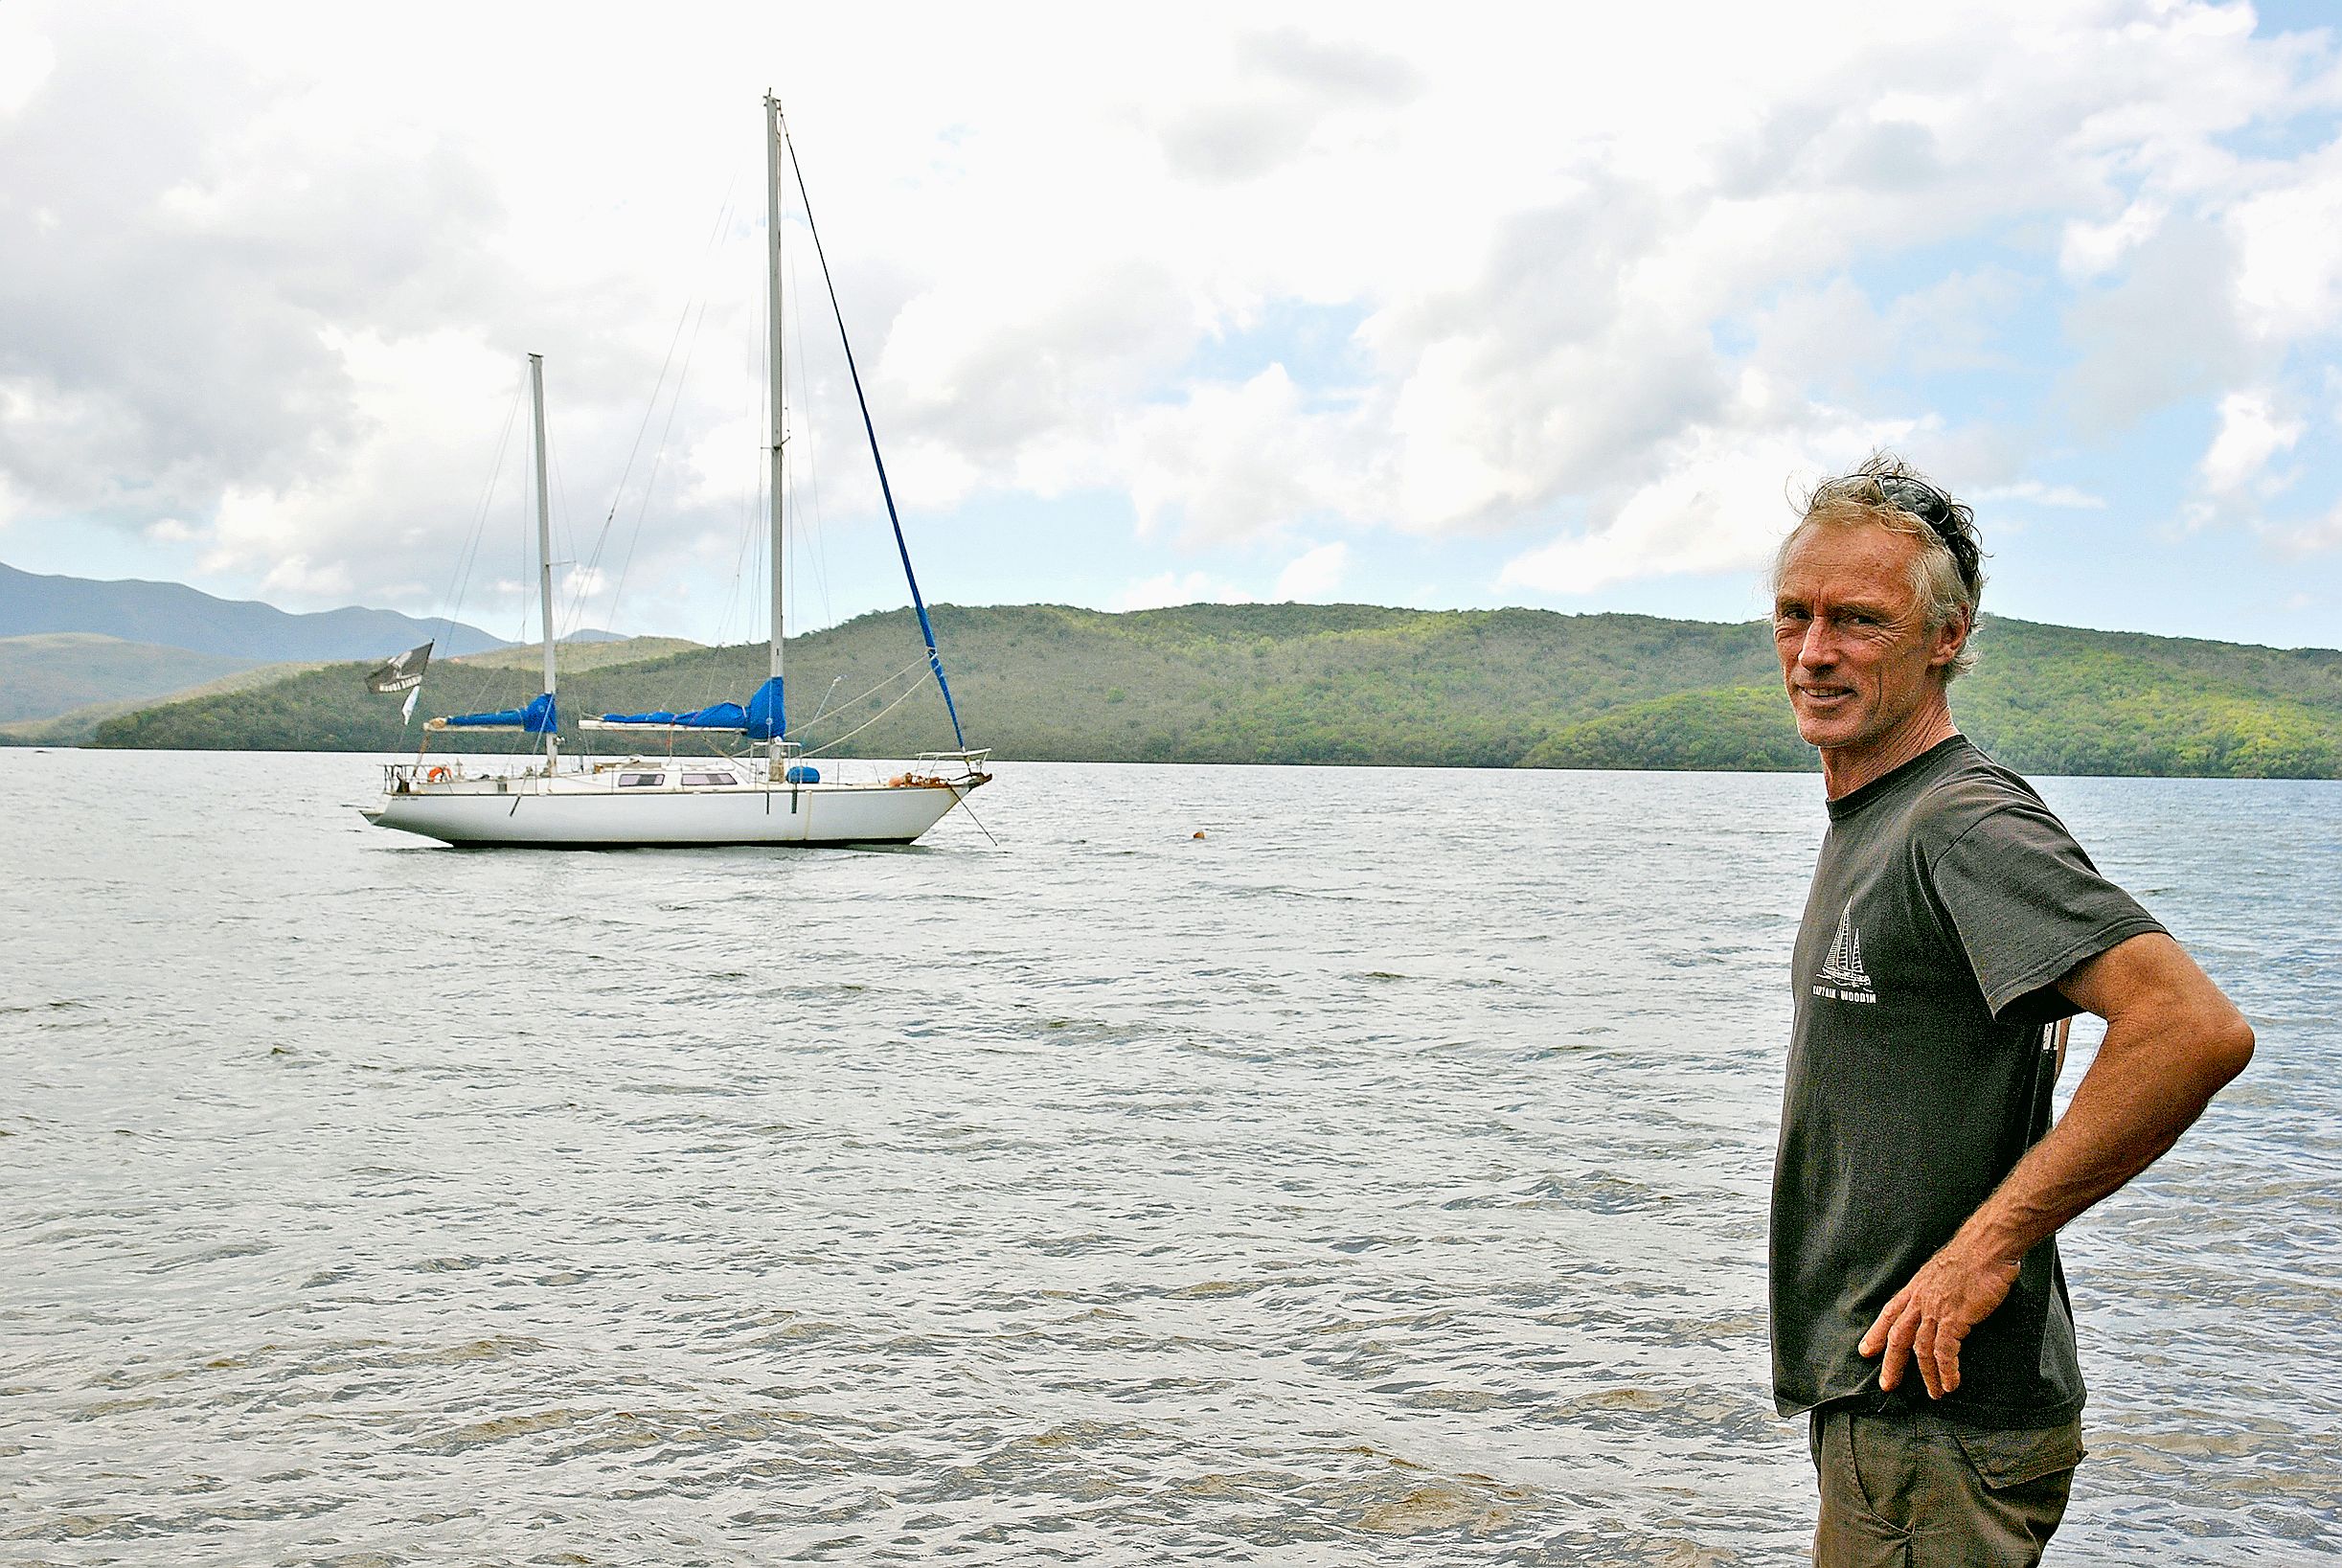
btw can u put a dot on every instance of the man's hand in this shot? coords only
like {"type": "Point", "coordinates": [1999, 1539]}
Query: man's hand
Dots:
{"type": "Point", "coordinates": [1928, 1318]}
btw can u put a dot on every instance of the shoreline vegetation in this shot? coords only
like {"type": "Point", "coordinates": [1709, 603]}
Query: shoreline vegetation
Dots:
{"type": "Point", "coordinates": [1351, 684]}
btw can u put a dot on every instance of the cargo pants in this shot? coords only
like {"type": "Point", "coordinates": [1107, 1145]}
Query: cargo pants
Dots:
{"type": "Point", "coordinates": [1914, 1489]}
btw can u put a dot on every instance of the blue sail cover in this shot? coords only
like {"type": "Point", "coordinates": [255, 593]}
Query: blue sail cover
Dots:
{"type": "Point", "coordinates": [762, 719]}
{"type": "Point", "coordinates": [767, 716]}
{"type": "Point", "coordinates": [538, 717]}
{"type": "Point", "coordinates": [716, 716]}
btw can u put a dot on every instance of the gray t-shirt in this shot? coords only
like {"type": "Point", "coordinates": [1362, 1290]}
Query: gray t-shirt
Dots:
{"type": "Point", "coordinates": [1946, 903]}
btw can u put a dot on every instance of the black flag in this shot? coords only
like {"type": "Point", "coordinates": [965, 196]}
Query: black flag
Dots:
{"type": "Point", "coordinates": [403, 673]}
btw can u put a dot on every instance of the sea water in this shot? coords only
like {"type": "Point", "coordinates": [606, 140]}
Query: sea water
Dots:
{"type": "Point", "coordinates": [1283, 1164]}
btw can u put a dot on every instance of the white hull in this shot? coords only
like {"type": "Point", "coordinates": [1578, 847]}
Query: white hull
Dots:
{"type": "Point", "coordinates": [587, 811]}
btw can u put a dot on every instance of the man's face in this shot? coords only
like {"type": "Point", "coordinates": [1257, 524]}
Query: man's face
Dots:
{"type": "Point", "coordinates": [1855, 652]}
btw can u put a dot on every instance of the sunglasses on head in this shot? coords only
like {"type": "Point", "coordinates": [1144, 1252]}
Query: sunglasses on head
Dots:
{"type": "Point", "coordinates": [1932, 507]}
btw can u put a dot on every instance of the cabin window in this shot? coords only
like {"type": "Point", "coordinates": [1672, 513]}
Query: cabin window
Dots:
{"type": "Point", "coordinates": [641, 780]}
{"type": "Point", "coordinates": [709, 779]}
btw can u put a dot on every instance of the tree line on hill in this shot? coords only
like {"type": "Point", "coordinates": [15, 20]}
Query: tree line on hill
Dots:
{"type": "Point", "coordinates": [1356, 684]}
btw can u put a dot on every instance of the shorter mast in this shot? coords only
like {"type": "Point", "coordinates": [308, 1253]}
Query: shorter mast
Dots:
{"type": "Point", "coordinates": [780, 402]}
{"type": "Point", "coordinates": [544, 543]}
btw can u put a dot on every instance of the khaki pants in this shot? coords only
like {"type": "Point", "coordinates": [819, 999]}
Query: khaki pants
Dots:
{"type": "Point", "coordinates": [1913, 1491]}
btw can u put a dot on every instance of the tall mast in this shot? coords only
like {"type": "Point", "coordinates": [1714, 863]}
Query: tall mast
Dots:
{"type": "Point", "coordinates": [544, 538]}
{"type": "Point", "coordinates": [779, 388]}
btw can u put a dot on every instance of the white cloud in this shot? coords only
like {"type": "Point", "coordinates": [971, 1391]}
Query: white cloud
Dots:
{"type": "Point", "coordinates": [2038, 494]}
{"type": "Point", "coordinates": [2251, 433]}
{"type": "Point", "coordinates": [26, 59]}
{"type": "Point", "coordinates": [2288, 238]}
{"type": "Point", "coordinates": [1719, 500]}
{"type": "Point", "coordinates": [2091, 250]}
{"type": "Point", "coordinates": [1315, 574]}
{"type": "Point", "coordinates": [412, 476]}
{"type": "Point", "coordinates": [1171, 588]}
{"type": "Point", "coordinates": [297, 576]}
{"type": "Point", "coordinates": [171, 531]}
{"type": "Point", "coordinates": [271, 273]}
{"type": "Point", "coordinates": [576, 585]}
{"type": "Point", "coordinates": [2166, 331]}
{"type": "Point", "coordinates": [1244, 461]}
{"type": "Point", "coordinates": [2298, 541]}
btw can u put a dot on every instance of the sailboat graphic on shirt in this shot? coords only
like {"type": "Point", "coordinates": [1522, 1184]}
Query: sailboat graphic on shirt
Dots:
{"type": "Point", "coordinates": [1844, 965]}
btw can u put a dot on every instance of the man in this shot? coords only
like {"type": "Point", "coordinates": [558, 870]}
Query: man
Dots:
{"type": "Point", "coordinates": [1920, 1311]}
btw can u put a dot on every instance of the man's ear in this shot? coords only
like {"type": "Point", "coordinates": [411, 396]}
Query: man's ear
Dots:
{"type": "Point", "coordinates": [1949, 641]}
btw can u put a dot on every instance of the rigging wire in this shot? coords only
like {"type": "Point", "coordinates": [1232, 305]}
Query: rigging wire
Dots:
{"type": "Point", "coordinates": [460, 584]}
{"type": "Point", "coordinates": [908, 692]}
{"type": "Point", "coordinates": [822, 706]}
{"type": "Point", "coordinates": [723, 221]}
{"type": "Point", "coordinates": [935, 660]}
{"type": "Point", "coordinates": [527, 537]}
{"type": "Point", "coordinates": [467, 558]}
{"type": "Point", "coordinates": [727, 617]}
{"type": "Point", "coordinates": [658, 461]}
{"type": "Point", "coordinates": [752, 350]}
{"type": "Point", "coordinates": [962, 803]}
{"type": "Point", "coordinates": [468, 691]}
{"type": "Point", "coordinates": [915, 664]}
{"type": "Point", "coordinates": [813, 472]}
{"type": "Point", "coordinates": [697, 319]}
{"type": "Point", "coordinates": [566, 623]}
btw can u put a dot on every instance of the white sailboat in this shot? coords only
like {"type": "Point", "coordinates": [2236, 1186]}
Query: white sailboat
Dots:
{"type": "Point", "coordinates": [771, 796]}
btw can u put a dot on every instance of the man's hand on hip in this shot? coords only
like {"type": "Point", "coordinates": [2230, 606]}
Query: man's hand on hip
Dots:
{"type": "Point", "coordinates": [1926, 1319]}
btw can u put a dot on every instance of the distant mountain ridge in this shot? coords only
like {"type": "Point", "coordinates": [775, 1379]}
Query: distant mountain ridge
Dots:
{"type": "Point", "coordinates": [1357, 684]}
{"type": "Point", "coordinates": [173, 615]}
{"type": "Point", "coordinates": [51, 672]}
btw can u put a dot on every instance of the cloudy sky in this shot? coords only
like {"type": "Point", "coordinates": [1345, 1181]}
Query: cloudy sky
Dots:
{"type": "Point", "coordinates": [1448, 306]}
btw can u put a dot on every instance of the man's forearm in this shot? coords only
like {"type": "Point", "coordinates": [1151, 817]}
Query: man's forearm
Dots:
{"type": "Point", "coordinates": [2173, 1041]}
{"type": "Point", "coordinates": [2153, 1079]}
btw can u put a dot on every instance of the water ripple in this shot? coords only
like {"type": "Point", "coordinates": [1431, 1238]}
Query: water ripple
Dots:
{"type": "Point", "coordinates": [1351, 1186]}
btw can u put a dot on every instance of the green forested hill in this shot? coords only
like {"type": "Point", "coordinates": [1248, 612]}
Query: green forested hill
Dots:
{"type": "Point", "coordinates": [1351, 683]}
